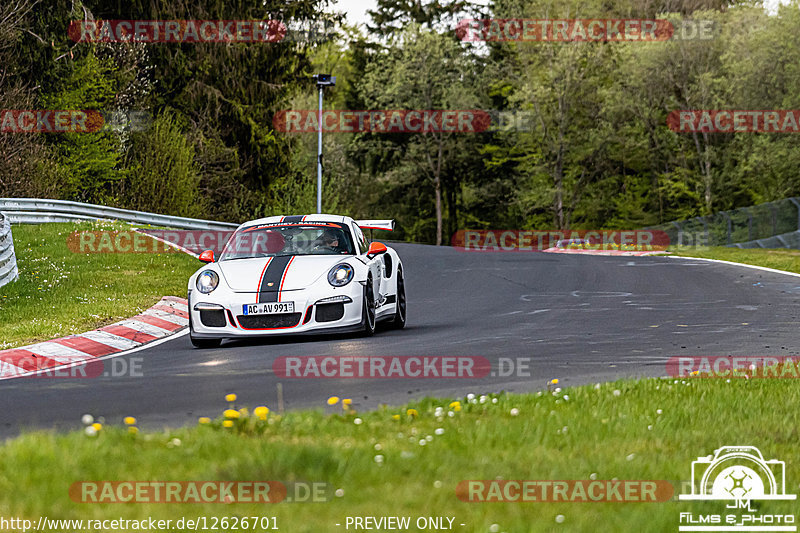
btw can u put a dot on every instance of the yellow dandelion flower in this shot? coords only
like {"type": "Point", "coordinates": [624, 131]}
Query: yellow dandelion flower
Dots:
{"type": "Point", "coordinates": [129, 420]}
{"type": "Point", "coordinates": [231, 413]}
{"type": "Point", "coordinates": [230, 397]}
{"type": "Point", "coordinates": [243, 411]}
{"type": "Point", "coordinates": [395, 417]}
{"type": "Point", "coordinates": [333, 400]}
{"type": "Point", "coordinates": [97, 426]}
{"type": "Point", "coordinates": [347, 401]}
{"type": "Point", "coordinates": [261, 412]}
{"type": "Point", "coordinates": [227, 424]}
{"type": "Point", "coordinates": [412, 412]}
{"type": "Point", "coordinates": [204, 420]}
{"type": "Point", "coordinates": [455, 406]}
{"type": "Point", "coordinates": [133, 430]}
{"type": "Point", "coordinates": [554, 381]}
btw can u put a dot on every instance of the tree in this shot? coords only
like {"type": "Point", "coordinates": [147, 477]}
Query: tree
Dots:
{"type": "Point", "coordinates": [425, 71]}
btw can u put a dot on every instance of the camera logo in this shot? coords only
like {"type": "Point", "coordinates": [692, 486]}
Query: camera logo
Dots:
{"type": "Point", "coordinates": [738, 473]}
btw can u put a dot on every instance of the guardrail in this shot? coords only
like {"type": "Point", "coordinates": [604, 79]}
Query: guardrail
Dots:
{"type": "Point", "coordinates": [36, 211]}
{"type": "Point", "coordinates": [8, 260]}
{"type": "Point", "coordinates": [768, 225]}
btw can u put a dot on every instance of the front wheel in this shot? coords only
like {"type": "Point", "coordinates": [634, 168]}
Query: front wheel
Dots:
{"type": "Point", "coordinates": [204, 344]}
{"type": "Point", "coordinates": [368, 310]}
{"type": "Point", "coordinates": [399, 320]}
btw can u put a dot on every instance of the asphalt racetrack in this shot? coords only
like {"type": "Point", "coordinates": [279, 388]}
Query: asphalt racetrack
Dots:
{"type": "Point", "coordinates": [578, 318]}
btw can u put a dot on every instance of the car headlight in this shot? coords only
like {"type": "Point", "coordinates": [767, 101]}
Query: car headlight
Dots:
{"type": "Point", "coordinates": [340, 275]}
{"type": "Point", "coordinates": [207, 281]}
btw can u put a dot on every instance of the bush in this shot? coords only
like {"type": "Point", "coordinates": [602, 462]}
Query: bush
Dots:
{"type": "Point", "coordinates": [162, 175]}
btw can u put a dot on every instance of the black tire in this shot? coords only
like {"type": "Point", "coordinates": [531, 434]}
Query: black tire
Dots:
{"type": "Point", "coordinates": [203, 344]}
{"type": "Point", "coordinates": [399, 320]}
{"type": "Point", "coordinates": [368, 310]}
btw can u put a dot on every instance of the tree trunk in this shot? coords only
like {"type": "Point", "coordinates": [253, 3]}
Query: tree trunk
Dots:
{"type": "Point", "coordinates": [437, 182]}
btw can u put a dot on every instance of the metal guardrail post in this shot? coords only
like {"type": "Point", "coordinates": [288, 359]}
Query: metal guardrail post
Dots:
{"type": "Point", "coordinates": [8, 259]}
{"type": "Point", "coordinates": [680, 232]}
{"type": "Point", "coordinates": [774, 211]}
{"type": "Point", "coordinates": [797, 205]}
{"type": "Point", "coordinates": [749, 223]}
{"type": "Point", "coordinates": [705, 228]}
{"type": "Point", "coordinates": [730, 227]}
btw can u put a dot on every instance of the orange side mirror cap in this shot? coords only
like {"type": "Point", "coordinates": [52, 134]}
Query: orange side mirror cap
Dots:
{"type": "Point", "coordinates": [376, 248]}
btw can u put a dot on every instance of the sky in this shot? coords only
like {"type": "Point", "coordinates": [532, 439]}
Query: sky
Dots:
{"type": "Point", "coordinates": [356, 10]}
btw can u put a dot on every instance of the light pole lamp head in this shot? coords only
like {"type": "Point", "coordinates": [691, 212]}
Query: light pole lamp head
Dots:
{"type": "Point", "coordinates": [324, 80]}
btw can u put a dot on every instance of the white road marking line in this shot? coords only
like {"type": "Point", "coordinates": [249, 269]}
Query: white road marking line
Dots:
{"type": "Point", "coordinates": [755, 267]}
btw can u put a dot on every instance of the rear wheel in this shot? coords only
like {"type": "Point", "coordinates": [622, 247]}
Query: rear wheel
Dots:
{"type": "Point", "coordinates": [399, 320]}
{"type": "Point", "coordinates": [368, 310]}
{"type": "Point", "coordinates": [201, 343]}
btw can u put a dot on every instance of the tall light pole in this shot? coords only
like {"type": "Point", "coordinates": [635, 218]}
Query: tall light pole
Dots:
{"type": "Point", "coordinates": [322, 81]}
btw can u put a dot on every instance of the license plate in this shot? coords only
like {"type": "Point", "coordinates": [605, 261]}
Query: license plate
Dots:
{"type": "Point", "coordinates": [268, 308]}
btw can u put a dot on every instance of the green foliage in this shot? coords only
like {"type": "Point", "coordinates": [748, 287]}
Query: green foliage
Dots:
{"type": "Point", "coordinates": [409, 460]}
{"type": "Point", "coordinates": [88, 162]}
{"type": "Point", "coordinates": [596, 152]}
{"type": "Point", "coordinates": [163, 175]}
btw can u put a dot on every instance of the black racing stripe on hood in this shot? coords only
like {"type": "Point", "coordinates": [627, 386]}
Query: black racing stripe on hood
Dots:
{"type": "Point", "coordinates": [273, 274]}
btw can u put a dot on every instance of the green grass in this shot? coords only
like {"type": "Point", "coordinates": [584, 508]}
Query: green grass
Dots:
{"type": "Point", "coordinates": [61, 293]}
{"type": "Point", "coordinates": [596, 431]}
{"type": "Point", "coordinates": [647, 429]}
{"type": "Point", "coordinates": [781, 259]}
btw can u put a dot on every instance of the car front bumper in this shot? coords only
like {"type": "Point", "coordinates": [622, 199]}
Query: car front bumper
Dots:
{"type": "Point", "coordinates": [220, 314]}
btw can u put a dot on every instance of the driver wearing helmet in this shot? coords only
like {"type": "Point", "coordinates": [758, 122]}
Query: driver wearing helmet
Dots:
{"type": "Point", "coordinates": [328, 242]}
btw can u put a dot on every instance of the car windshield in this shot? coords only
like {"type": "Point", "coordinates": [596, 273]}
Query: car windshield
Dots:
{"type": "Point", "coordinates": [269, 240]}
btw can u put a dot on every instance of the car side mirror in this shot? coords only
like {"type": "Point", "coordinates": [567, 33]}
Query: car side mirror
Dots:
{"type": "Point", "coordinates": [207, 256]}
{"type": "Point", "coordinates": [376, 248]}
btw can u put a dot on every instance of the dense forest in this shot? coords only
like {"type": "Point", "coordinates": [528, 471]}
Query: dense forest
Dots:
{"type": "Point", "coordinates": [594, 150]}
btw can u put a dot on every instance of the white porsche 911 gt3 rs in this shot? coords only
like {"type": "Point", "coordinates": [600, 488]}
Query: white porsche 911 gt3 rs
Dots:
{"type": "Point", "coordinates": [294, 275]}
